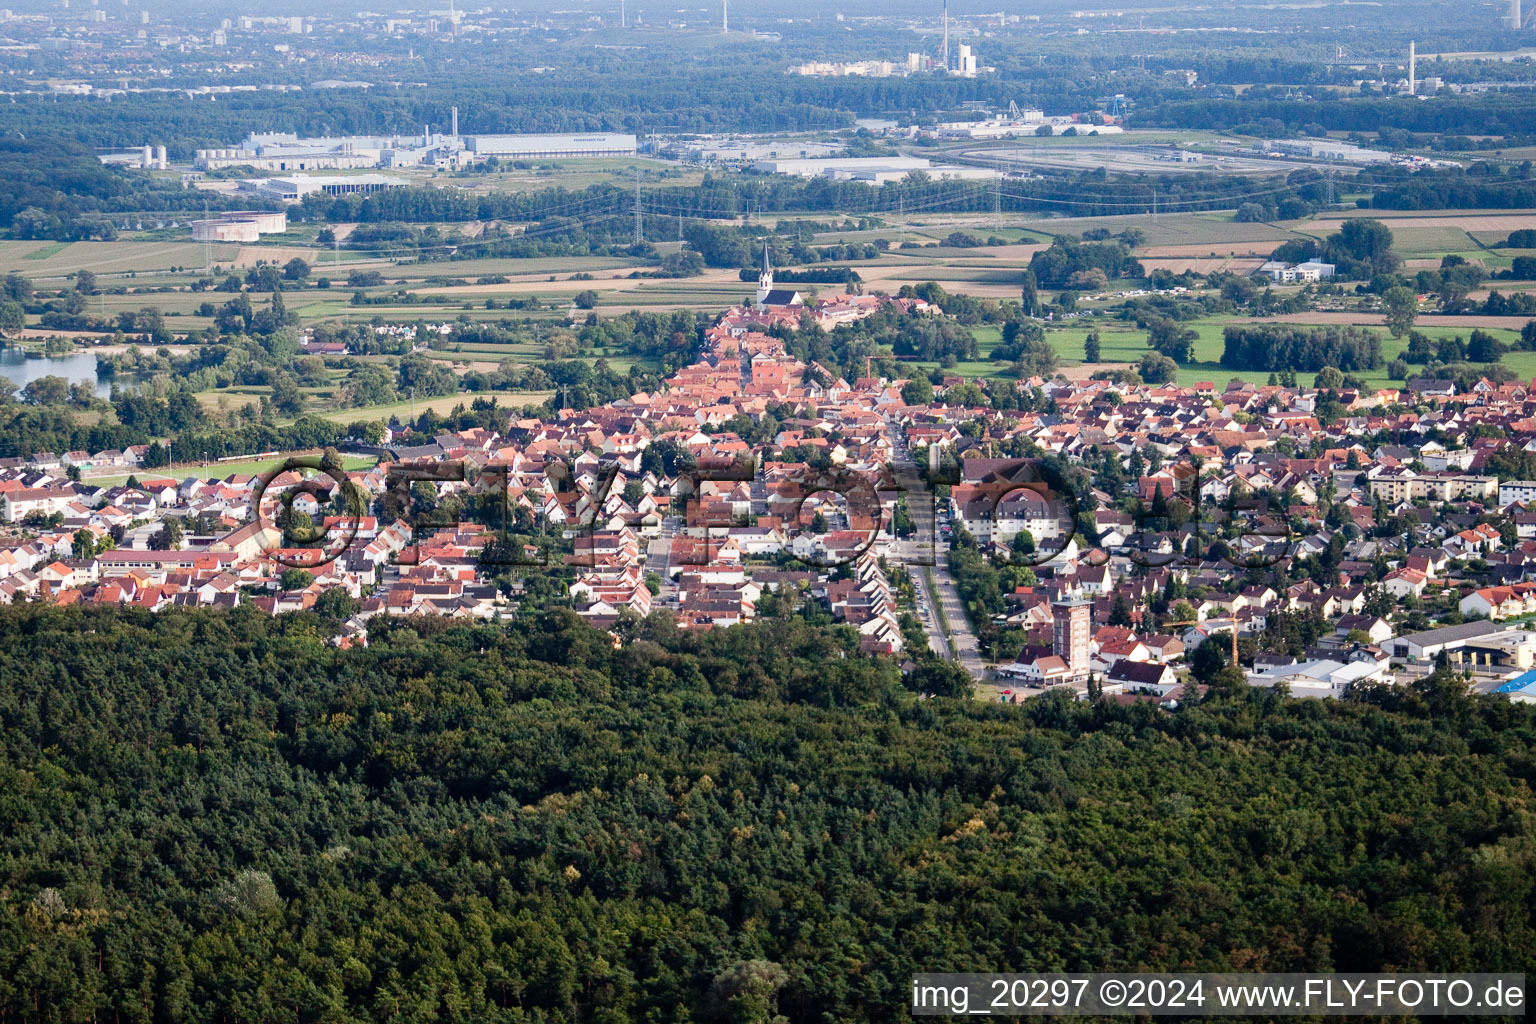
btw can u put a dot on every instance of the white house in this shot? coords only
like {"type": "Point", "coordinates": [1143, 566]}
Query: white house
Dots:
{"type": "Point", "coordinates": [21, 503]}
{"type": "Point", "coordinates": [1402, 583]}
{"type": "Point", "coordinates": [1517, 492]}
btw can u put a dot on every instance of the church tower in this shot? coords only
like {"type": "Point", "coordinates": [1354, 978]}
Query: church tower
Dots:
{"type": "Point", "coordinates": [765, 279]}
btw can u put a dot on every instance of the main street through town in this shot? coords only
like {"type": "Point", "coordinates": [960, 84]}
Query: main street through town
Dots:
{"type": "Point", "coordinates": [921, 555]}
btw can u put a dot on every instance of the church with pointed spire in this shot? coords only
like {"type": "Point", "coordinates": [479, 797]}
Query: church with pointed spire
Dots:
{"type": "Point", "coordinates": [765, 279]}
{"type": "Point", "coordinates": [768, 296]}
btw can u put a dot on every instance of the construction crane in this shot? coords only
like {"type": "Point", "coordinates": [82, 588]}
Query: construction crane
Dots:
{"type": "Point", "coordinates": [1197, 622]}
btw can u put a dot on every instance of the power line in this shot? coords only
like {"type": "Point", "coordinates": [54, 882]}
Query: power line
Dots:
{"type": "Point", "coordinates": [639, 222]}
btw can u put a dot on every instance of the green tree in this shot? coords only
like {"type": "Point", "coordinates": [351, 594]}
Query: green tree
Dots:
{"type": "Point", "coordinates": [1208, 659]}
{"type": "Point", "coordinates": [1120, 611]}
{"type": "Point", "coordinates": [1156, 368]}
{"type": "Point", "coordinates": [13, 318]}
{"type": "Point", "coordinates": [286, 396]}
{"type": "Point", "coordinates": [83, 545]}
{"type": "Point", "coordinates": [369, 384]}
{"type": "Point", "coordinates": [1402, 308]}
{"type": "Point", "coordinates": [295, 579]}
{"type": "Point", "coordinates": [1172, 339]}
{"type": "Point", "coordinates": [1228, 680]}
{"type": "Point", "coordinates": [1030, 295]}
{"type": "Point", "coordinates": [335, 604]}
{"type": "Point", "coordinates": [49, 390]}
{"type": "Point", "coordinates": [940, 678]}
{"type": "Point", "coordinates": [917, 391]}
{"type": "Point", "coordinates": [168, 537]}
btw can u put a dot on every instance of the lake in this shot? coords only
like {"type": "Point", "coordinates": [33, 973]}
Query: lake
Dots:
{"type": "Point", "coordinates": [77, 367]}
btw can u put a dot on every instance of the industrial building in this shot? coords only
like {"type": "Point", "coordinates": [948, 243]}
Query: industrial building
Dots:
{"type": "Point", "coordinates": [239, 226]}
{"type": "Point", "coordinates": [1320, 677]}
{"type": "Point", "coordinates": [1323, 149]}
{"type": "Point", "coordinates": [295, 187]}
{"type": "Point", "coordinates": [592, 144]}
{"type": "Point", "coordinates": [1027, 123]}
{"type": "Point", "coordinates": [842, 69]}
{"type": "Point", "coordinates": [967, 63]}
{"type": "Point", "coordinates": [150, 158]}
{"type": "Point", "coordinates": [878, 170]}
{"type": "Point", "coordinates": [285, 151]}
{"type": "Point", "coordinates": [735, 150]}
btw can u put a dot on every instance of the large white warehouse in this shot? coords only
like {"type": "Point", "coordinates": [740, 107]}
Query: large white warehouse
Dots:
{"type": "Point", "coordinates": [529, 146]}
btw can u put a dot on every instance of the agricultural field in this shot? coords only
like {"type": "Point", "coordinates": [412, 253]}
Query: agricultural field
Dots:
{"type": "Point", "coordinates": [1204, 242]}
{"type": "Point", "coordinates": [136, 264]}
{"type": "Point", "coordinates": [1124, 344]}
{"type": "Point", "coordinates": [1417, 235]}
{"type": "Point", "coordinates": [57, 260]}
{"type": "Point", "coordinates": [407, 410]}
{"type": "Point", "coordinates": [1218, 230]}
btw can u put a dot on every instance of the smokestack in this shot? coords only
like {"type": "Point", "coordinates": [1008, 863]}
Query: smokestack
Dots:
{"type": "Point", "coordinates": [1516, 19]}
{"type": "Point", "coordinates": [455, 122]}
{"type": "Point", "coordinates": [623, 18]}
{"type": "Point", "coordinates": [946, 35]}
{"type": "Point", "coordinates": [1413, 69]}
{"type": "Point", "coordinates": [725, 17]}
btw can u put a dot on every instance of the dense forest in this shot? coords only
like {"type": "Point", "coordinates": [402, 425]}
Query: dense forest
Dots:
{"type": "Point", "coordinates": [221, 817]}
{"type": "Point", "coordinates": [1496, 114]}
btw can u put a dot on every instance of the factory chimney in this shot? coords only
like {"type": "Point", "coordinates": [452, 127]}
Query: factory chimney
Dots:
{"type": "Point", "coordinates": [725, 17]}
{"type": "Point", "coordinates": [946, 35]}
{"type": "Point", "coordinates": [455, 122]}
{"type": "Point", "coordinates": [1516, 18]}
{"type": "Point", "coordinates": [1413, 69]}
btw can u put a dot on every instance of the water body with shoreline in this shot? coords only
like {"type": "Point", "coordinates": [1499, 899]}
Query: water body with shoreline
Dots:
{"type": "Point", "coordinates": [21, 368]}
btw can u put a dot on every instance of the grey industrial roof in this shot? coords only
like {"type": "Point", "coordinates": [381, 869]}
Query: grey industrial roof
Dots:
{"type": "Point", "coordinates": [1450, 634]}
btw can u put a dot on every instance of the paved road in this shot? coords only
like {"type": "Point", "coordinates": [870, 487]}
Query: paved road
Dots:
{"type": "Point", "coordinates": [927, 546]}
{"type": "Point", "coordinates": [658, 559]}
{"type": "Point", "coordinates": [936, 642]}
{"type": "Point", "coordinates": [961, 637]}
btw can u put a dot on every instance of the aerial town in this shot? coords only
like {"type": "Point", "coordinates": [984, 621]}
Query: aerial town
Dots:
{"type": "Point", "coordinates": [1335, 559]}
{"type": "Point", "coordinates": [593, 512]}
